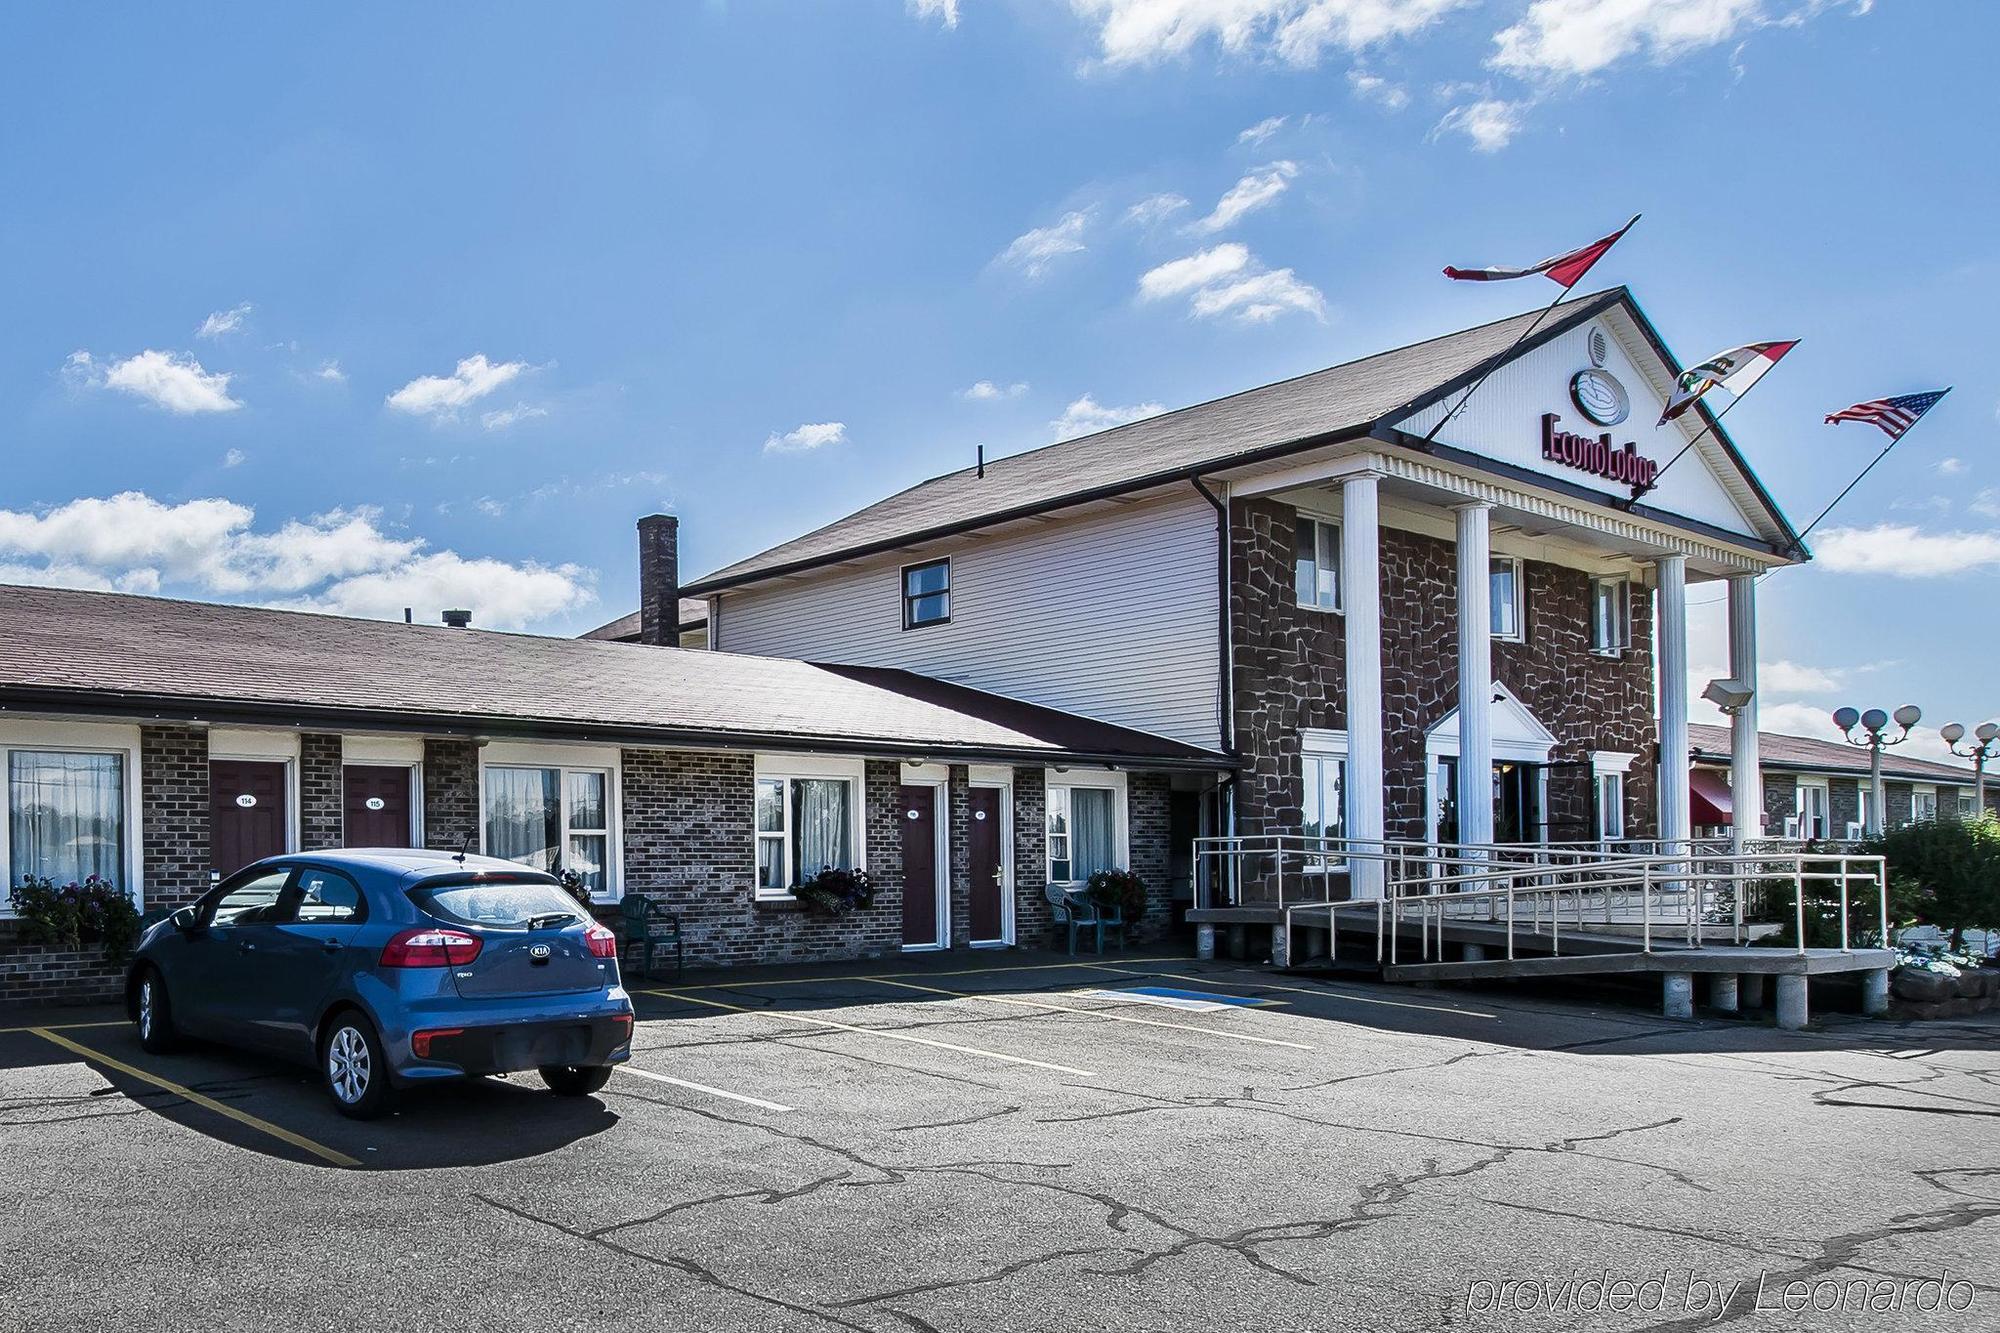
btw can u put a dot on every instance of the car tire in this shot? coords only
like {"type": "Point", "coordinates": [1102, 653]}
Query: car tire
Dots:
{"type": "Point", "coordinates": [575, 1080]}
{"type": "Point", "coordinates": [353, 1068]}
{"type": "Point", "coordinates": [154, 1015]}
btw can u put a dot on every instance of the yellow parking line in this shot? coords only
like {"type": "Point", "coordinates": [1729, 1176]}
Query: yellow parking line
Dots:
{"type": "Point", "coordinates": [279, 1132]}
{"type": "Point", "coordinates": [1095, 1013]}
{"type": "Point", "coordinates": [961, 972]}
{"type": "Point", "coordinates": [1297, 990]}
{"type": "Point", "coordinates": [877, 1032]}
{"type": "Point", "coordinates": [68, 1027]}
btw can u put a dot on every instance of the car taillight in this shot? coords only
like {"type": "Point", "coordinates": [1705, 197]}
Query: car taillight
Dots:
{"type": "Point", "coordinates": [428, 946]}
{"type": "Point", "coordinates": [420, 1042]}
{"type": "Point", "coordinates": [601, 942]}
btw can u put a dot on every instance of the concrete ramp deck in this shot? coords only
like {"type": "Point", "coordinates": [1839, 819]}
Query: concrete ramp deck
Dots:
{"type": "Point", "coordinates": [1735, 961]}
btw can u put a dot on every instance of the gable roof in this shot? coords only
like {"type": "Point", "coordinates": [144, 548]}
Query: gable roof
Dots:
{"type": "Point", "coordinates": [1347, 401]}
{"type": "Point", "coordinates": [110, 653]}
{"type": "Point", "coordinates": [1710, 744]}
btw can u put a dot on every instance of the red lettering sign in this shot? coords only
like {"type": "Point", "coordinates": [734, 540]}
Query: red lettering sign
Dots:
{"type": "Point", "coordinates": [1596, 454]}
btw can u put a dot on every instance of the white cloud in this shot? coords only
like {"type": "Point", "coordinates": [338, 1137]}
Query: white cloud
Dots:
{"type": "Point", "coordinates": [1227, 280]}
{"type": "Point", "coordinates": [331, 372]}
{"type": "Point", "coordinates": [164, 379]}
{"type": "Point", "coordinates": [1297, 32]}
{"type": "Point", "coordinates": [1033, 251]}
{"type": "Point", "coordinates": [1155, 209]}
{"type": "Point", "coordinates": [502, 418]}
{"type": "Point", "coordinates": [340, 560]}
{"type": "Point", "coordinates": [1558, 39]}
{"type": "Point", "coordinates": [986, 391]}
{"type": "Point", "coordinates": [811, 436]}
{"type": "Point", "coordinates": [234, 458]}
{"type": "Point", "coordinates": [224, 321]}
{"type": "Point", "coordinates": [1374, 88]}
{"type": "Point", "coordinates": [1086, 416]}
{"type": "Point", "coordinates": [1906, 551]}
{"type": "Point", "coordinates": [1262, 130]}
{"type": "Point", "coordinates": [1490, 123]}
{"type": "Point", "coordinates": [1950, 467]}
{"type": "Point", "coordinates": [945, 11]}
{"type": "Point", "coordinates": [1183, 275]}
{"type": "Point", "coordinates": [1986, 502]}
{"type": "Point", "coordinates": [1795, 677]}
{"type": "Point", "coordinates": [1257, 190]}
{"type": "Point", "coordinates": [440, 396]}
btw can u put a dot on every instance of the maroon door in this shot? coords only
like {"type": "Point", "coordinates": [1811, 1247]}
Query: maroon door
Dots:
{"type": "Point", "coordinates": [983, 850]}
{"type": "Point", "coordinates": [916, 808]}
{"type": "Point", "coordinates": [376, 806]}
{"type": "Point", "coordinates": [246, 812]}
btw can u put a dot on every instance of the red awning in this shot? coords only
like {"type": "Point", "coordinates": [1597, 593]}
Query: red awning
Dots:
{"type": "Point", "coordinates": [1709, 802]}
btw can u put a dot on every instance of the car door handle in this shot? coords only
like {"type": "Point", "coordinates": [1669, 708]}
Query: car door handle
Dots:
{"type": "Point", "coordinates": [329, 946]}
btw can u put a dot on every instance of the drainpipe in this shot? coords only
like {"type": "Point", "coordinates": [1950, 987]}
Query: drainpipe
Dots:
{"type": "Point", "coordinates": [1226, 694]}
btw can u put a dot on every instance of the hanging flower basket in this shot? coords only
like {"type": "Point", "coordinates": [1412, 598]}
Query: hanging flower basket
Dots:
{"type": "Point", "coordinates": [836, 892]}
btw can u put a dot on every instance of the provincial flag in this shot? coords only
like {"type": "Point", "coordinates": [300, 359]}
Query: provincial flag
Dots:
{"type": "Point", "coordinates": [1567, 268]}
{"type": "Point", "coordinates": [1735, 370]}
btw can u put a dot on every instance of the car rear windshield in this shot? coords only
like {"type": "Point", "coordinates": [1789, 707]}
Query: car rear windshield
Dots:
{"type": "Point", "coordinates": [498, 904]}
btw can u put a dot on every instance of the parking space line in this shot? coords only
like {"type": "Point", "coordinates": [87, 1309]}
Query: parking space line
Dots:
{"type": "Point", "coordinates": [278, 1132]}
{"type": "Point", "coordinates": [960, 972]}
{"type": "Point", "coordinates": [877, 1032]}
{"type": "Point", "coordinates": [1095, 1013]}
{"type": "Point", "coordinates": [69, 1027]}
{"type": "Point", "coordinates": [702, 1087]}
{"type": "Point", "coordinates": [1297, 990]}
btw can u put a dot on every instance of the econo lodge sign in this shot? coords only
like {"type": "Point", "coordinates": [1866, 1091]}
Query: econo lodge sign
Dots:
{"type": "Point", "coordinates": [1596, 454]}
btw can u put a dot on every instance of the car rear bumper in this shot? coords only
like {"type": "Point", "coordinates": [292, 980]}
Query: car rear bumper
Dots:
{"type": "Point", "coordinates": [503, 1048]}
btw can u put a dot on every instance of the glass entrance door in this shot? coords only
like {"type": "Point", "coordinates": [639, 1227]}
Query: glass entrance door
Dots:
{"type": "Point", "coordinates": [1517, 802]}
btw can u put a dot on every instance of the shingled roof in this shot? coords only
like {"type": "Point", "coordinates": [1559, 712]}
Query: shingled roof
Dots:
{"type": "Point", "coordinates": [1344, 401]}
{"type": "Point", "coordinates": [110, 653]}
{"type": "Point", "coordinates": [693, 614]}
{"type": "Point", "coordinates": [1803, 754]}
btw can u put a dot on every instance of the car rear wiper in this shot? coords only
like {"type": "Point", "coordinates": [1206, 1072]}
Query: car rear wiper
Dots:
{"type": "Point", "coordinates": [552, 919]}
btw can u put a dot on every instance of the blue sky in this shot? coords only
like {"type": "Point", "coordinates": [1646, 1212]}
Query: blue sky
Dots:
{"type": "Point", "coordinates": [488, 282]}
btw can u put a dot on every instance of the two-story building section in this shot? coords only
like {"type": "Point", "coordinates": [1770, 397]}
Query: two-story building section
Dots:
{"type": "Point", "coordinates": [1311, 577]}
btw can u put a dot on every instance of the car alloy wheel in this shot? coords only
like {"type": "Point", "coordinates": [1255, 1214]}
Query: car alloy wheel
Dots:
{"type": "Point", "coordinates": [349, 1065]}
{"type": "Point", "coordinates": [146, 1010]}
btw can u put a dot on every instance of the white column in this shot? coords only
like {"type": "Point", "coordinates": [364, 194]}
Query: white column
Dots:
{"type": "Point", "coordinates": [1361, 603]}
{"type": "Point", "coordinates": [1746, 778]}
{"type": "Point", "coordinates": [1475, 675]}
{"type": "Point", "coordinates": [1670, 665]}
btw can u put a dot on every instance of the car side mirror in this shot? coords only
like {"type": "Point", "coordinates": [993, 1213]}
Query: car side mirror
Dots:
{"type": "Point", "coordinates": [187, 920]}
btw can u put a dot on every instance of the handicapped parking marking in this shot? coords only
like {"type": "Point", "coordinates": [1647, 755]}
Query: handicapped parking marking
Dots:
{"type": "Point", "coordinates": [1191, 1001]}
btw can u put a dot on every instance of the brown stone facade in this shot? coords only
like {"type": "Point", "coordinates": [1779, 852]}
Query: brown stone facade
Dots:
{"type": "Point", "coordinates": [1290, 665]}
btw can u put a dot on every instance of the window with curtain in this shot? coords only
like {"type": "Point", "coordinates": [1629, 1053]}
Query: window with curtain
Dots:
{"type": "Point", "coordinates": [1316, 567]}
{"type": "Point", "coordinates": [1325, 804]}
{"type": "Point", "coordinates": [804, 825]}
{"type": "Point", "coordinates": [551, 819]}
{"type": "Point", "coordinates": [1610, 615]}
{"type": "Point", "coordinates": [1504, 589]}
{"type": "Point", "coordinates": [65, 816]}
{"type": "Point", "coordinates": [1082, 832]}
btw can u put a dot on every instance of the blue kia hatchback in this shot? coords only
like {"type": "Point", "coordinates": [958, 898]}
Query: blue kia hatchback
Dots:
{"type": "Point", "coordinates": [389, 968]}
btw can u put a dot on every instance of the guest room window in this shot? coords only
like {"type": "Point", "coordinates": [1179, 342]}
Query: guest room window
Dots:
{"type": "Point", "coordinates": [552, 819]}
{"type": "Point", "coordinates": [1610, 805]}
{"type": "Point", "coordinates": [927, 594]}
{"type": "Point", "coordinates": [1316, 571]}
{"type": "Point", "coordinates": [1505, 587]}
{"type": "Point", "coordinates": [804, 825]}
{"type": "Point", "coordinates": [1082, 832]}
{"type": "Point", "coordinates": [1610, 616]}
{"type": "Point", "coordinates": [65, 816]}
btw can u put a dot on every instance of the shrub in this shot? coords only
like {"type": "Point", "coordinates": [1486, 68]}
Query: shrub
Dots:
{"type": "Point", "coordinates": [1120, 889]}
{"type": "Point", "coordinates": [1944, 874]}
{"type": "Point", "coordinates": [836, 892]}
{"type": "Point", "coordinates": [74, 915]}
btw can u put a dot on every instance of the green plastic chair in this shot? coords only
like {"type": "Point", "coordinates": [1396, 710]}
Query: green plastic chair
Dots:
{"type": "Point", "coordinates": [1076, 909]}
{"type": "Point", "coordinates": [648, 926]}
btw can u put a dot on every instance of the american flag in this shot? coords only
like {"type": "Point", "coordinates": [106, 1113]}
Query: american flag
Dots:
{"type": "Point", "coordinates": [1893, 415]}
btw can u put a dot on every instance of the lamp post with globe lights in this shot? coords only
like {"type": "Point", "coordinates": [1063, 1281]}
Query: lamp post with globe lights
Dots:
{"type": "Point", "coordinates": [1872, 724]}
{"type": "Point", "coordinates": [1983, 748]}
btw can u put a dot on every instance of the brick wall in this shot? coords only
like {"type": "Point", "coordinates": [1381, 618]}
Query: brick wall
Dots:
{"type": "Point", "coordinates": [173, 800]}
{"type": "Point", "coordinates": [33, 974]}
{"type": "Point", "coordinates": [960, 828]}
{"type": "Point", "coordinates": [1033, 927]}
{"type": "Point", "coordinates": [1843, 805]}
{"type": "Point", "coordinates": [1897, 798]}
{"type": "Point", "coordinates": [321, 796]}
{"type": "Point", "coordinates": [1781, 802]}
{"type": "Point", "coordinates": [451, 795]}
{"type": "Point", "coordinates": [1291, 664]}
{"type": "Point", "coordinates": [1147, 797]}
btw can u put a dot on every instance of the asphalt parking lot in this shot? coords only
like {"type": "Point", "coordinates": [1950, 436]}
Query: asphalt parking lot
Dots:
{"type": "Point", "coordinates": [1021, 1141]}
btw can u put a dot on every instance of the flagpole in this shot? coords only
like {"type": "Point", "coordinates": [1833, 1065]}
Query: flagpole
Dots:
{"type": "Point", "coordinates": [1430, 436]}
{"type": "Point", "coordinates": [1714, 420]}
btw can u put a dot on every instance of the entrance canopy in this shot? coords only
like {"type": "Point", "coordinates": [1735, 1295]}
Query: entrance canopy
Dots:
{"type": "Point", "coordinates": [1709, 799]}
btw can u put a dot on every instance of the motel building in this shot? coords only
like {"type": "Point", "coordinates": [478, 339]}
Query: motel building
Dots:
{"type": "Point", "coordinates": [1312, 643]}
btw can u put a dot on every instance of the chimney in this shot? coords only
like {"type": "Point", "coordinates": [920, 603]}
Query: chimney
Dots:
{"type": "Point", "coordinates": [458, 619]}
{"type": "Point", "coordinates": [659, 580]}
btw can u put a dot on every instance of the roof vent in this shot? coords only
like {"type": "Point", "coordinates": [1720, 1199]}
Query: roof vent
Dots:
{"type": "Point", "coordinates": [458, 619]}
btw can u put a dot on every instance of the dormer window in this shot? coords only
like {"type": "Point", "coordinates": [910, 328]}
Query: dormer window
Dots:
{"type": "Point", "coordinates": [927, 594]}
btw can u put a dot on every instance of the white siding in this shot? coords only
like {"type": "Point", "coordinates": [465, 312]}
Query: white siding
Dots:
{"type": "Point", "coordinates": [1109, 612]}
